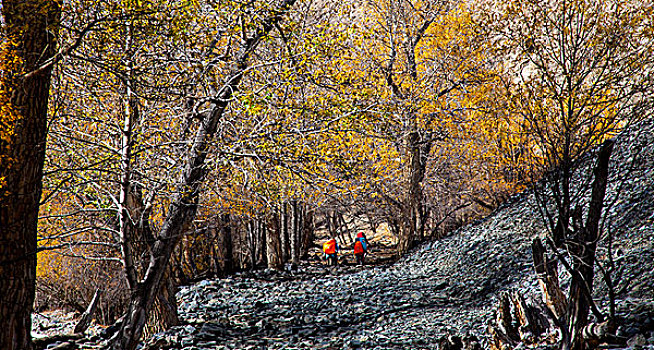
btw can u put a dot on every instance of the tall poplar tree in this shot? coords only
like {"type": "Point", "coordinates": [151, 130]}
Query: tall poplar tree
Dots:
{"type": "Point", "coordinates": [29, 29]}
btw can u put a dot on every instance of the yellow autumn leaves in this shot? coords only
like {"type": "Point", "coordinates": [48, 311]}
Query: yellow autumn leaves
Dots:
{"type": "Point", "coordinates": [326, 109]}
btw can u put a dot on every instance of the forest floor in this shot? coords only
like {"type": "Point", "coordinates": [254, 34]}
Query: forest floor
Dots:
{"type": "Point", "coordinates": [382, 248]}
{"type": "Point", "coordinates": [443, 287]}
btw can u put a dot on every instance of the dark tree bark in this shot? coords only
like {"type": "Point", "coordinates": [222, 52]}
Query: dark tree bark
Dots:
{"type": "Point", "coordinates": [583, 252]}
{"type": "Point", "coordinates": [273, 244]}
{"type": "Point", "coordinates": [262, 259]}
{"type": "Point", "coordinates": [575, 244]}
{"type": "Point", "coordinates": [295, 231]}
{"type": "Point", "coordinates": [225, 245]}
{"type": "Point", "coordinates": [343, 229]}
{"type": "Point", "coordinates": [30, 27]}
{"type": "Point", "coordinates": [284, 232]}
{"type": "Point", "coordinates": [135, 226]}
{"type": "Point", "coordinates": [308, 235]}
{"type": "Point", "coordinates": [88, 315]}
{"type": "Point", "coordinates": [222, 247]}
{"type": "Point", "coordinates": [164, 310]}
{"type": "Point", "coordinates": [251, 239]}
{"type": "Point", "coordinates": [330, 217]}
{"type": "Point", "coordinates": [548, 277]}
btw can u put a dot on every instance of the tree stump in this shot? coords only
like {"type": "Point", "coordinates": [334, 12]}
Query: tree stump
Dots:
{"type": "Point", "coordinates": [548, 279]}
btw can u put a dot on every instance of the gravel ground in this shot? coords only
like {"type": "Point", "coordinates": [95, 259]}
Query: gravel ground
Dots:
{"type": "Point", "coordinates": [449, 286]}
{"type": "Point", "coordinates": [443, 287]}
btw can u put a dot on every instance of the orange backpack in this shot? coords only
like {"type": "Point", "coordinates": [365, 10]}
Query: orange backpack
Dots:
{"type": "Point", "coordinates": [329, 247]}
{"type": "Point", "coordinates": [358, 247]}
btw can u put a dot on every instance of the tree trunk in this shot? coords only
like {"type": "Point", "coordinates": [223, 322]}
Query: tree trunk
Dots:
{"type": "Point", "coordinates": [307, 231]}
{"type": "Point", "coordinates": [31, 27]}
{"type": "Point", "coordinates": [331, 226]}
{"type": "Point", "coordinates": [583, 253]}
{"type": "Point", "coordinates": [273, 244]}
{"type": "Point", "coordinates": [251, 233]}
{"type": "Point", "coordinates": [548, 278]}
{"type": "Point", "coordinates": [344, 230]}
{"type": "Point", "coordinates": [292, 241]}
{"type": "Point", "coordinates": [295, 232]}
{"type": "Point", "coordinates": [285, 239]}
{"type": "Point", "coordinates": [126, 221]}
{"type": "Point", "coordinates": [372, 222]}
{"type": "Point", "coordinates": [143, 297]}
{"type": "Point", "coordinates": [136, 236]}
{"type": "Point", "coordinates": [223, 249]}
{"type": "Point", "coordinates": [88, 315]}
{"type": "Point", "coordinates": [262, 229]}
{"type": "Point", "coordinates": [164, 310]}
{"type": "Point", "coordinates": [413, 226]}
{"type": "Point", "coordinates": [140, 239]}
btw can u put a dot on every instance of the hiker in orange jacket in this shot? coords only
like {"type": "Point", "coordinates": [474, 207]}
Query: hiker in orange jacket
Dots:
{"type": "Point", "coordinates": [330, 248]}
{"type": "Point", "coordinates": [360, 248]}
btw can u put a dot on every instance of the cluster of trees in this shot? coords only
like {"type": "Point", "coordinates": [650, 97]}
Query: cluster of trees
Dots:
{"type": "Point", "coordinates": [583, 73]}
{"type": "Point", "coordinates": [197, 137]}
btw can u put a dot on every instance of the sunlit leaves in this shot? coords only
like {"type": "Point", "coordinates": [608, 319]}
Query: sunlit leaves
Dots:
{"type": "Point", "coordinates": [9, 63]}
{"type": "Point", "coordinates": [578, 70]}
{"type": "Point", "coordinates": [328, 103]}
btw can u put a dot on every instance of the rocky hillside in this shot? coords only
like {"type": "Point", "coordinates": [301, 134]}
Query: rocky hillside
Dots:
{"type": "Point", "coordinates": [449, 286]}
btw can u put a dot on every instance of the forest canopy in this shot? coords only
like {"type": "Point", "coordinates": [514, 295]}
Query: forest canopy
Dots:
{"type": "Point", "coordinates": [343, 107]}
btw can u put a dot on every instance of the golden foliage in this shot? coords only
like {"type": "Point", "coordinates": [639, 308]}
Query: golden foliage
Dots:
{"type": "Point", "coordinates": [324, 113]}
{"type": "Point", "coordinates": [10, 66]}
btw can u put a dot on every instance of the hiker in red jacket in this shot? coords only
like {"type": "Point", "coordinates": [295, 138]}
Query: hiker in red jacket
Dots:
{"type": "Point", "coordinates": [360, 248]}
{"type": "Point", "coordinates": [330, 248]}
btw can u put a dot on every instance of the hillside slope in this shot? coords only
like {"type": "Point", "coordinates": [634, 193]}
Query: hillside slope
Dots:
{"type": "Point", "coordinates": [445, 286]}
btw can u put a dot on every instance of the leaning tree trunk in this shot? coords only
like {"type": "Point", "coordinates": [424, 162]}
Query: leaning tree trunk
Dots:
{"type": "Point", "coordinates": [136, 237]}
{"type": "Point", "coordinates": [30, 28]}
{"type": "Point", "coordinates": [164, 312]}
{"type": "Point", "coordinates": [183, 207]}
{"type": "Point", "coordinates": [343, 230]}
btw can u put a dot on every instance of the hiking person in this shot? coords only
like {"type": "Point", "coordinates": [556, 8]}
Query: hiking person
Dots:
{"type": "Point", "coordinates": [330, 248]}
{"type": "Point", "coordinates": [360, 248]}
